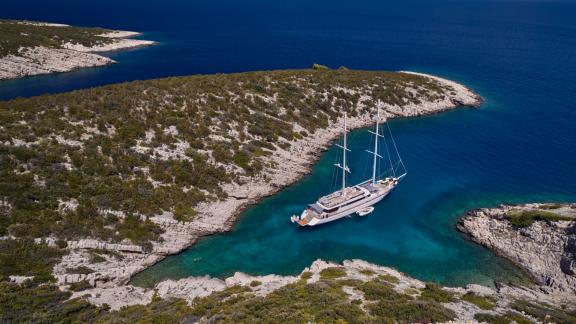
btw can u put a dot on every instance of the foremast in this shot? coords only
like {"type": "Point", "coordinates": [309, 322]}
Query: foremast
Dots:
{"type": "Point", "coordinates": [344, 165]}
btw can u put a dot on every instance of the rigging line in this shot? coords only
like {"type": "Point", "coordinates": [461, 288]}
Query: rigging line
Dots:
{"type": "Point", "coordinates": [334, 180]}
{"type": "Point", "coordinates": [366, 160]}
{"type": "Point", "coordinates": [397, 153]}
{"type": "Point", "coordinates": [385, 172]}
{"type": "Point", "coordinates": [388, 154]}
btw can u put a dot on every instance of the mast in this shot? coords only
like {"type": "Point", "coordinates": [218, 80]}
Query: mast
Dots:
{"type": "Point", "coordinates": [377, 136]}
{"type": "Point", "coordinates": [344, 148]}
{"type": "Point", "coordinates": [376, 146]}
{"type": "Point", "coordinates": [344, 166]}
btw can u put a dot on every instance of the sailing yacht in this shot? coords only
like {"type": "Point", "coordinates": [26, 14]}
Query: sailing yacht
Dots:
{"type": "Point", "coordinates": [358, 198]}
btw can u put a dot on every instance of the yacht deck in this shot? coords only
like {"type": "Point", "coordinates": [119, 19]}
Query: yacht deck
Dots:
{"type": "Point", "coordinates": [339, 197]}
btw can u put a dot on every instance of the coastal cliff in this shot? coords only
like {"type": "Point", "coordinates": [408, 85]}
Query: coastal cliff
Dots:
{"type": "Point", "coordinates": [539, 238]}
{"type": "Point", "coordinates": [32, 48]}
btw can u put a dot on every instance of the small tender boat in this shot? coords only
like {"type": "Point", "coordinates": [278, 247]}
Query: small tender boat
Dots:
{"type": "Point", "coordinates": [365, 211]}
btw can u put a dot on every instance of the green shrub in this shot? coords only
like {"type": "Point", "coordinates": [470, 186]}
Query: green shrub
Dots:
{"type": "Point", "coordinates": [241, 159]}
{"type": "Point", "coordinates": [434, 292]}
{"type": "Point", "coordinates": [96, 258]}
{"type": "Point", "coordinates": [183, 213]}
{"type": "Point", "coordinates": [306, 275]}
{"type": "Point", "coordinates": [80, 286]}
{"type": "Point", "coordinates": [410, 312]}
{"type": "Point", "coordinates": [79, 270]}
{"type": "Point", "coordinates": [550, 206]}
{"type": "Point", "coordinates": [490, 318]}
{"type": "Point", "coordinates": [378, 290]}
{"type": "Point", "coordinates": [480, 301]}
{"type": "Point", "coordinates": [42, 304]}
{"type": "Point", "coordinates": [332, 273]}
{"type": "Point", "coordinates": [411, 291]}
{"type": "Point", "coordinates": [321, 302]}
{"type": "Point", "coordinates": [138, 231]}
{"type": "Point", "coordinates": [528, 217]}
{"type": "Point", "coordinates": [23, 257]}
{"type": "Point", "coordinates": [543, 312]}
{"type": "Point", "coordinates": [367, 272]}
{"type": "Point", "coordinates": [518, 318]}
{"type": "Point", "coordinates": [255, 283]}
{"type": "Point", "coordinates": [389, 278]}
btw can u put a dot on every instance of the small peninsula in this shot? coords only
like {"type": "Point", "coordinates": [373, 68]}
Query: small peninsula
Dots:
{"type": "Point", "coordinates": [99, 184]}
{"type": "Point", "coordinates": [539, 238]}
{"type": "Point", "coordinates": [32, 48]}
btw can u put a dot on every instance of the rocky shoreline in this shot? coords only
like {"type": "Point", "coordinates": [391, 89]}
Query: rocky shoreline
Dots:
{"type": "Point", "coordinates": [467, 302]}
{"type": "Point", "coordinates": [538, 238]}
{"type": "Point", "coordinates": [39, 60]}
{"type": "Point", "coordinates": [292, 163]}
{"type": "Point", "coordinates": [543, 246]}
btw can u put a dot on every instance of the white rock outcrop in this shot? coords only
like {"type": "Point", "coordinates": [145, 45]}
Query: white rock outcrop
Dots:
{"type": "Point", "coordinates": [545, 249]}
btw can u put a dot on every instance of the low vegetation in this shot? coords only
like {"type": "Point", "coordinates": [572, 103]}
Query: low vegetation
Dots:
{"type": "Point", "coordinates": [434, 292]}
{"type": "Point", "coordinates": [80, 285]}
{"type": "Point", "coordinates": [388, 278]}
{"type": "Point", "coordinates": [31, 303]}
{"type": "Point", "coordinates": [320, 302]}
{"type": "Point", "coordinates": [16, 34]}
{"type": "Point", "coordinates": [544, 313]}
{"type": "Point", "coordinates": [526, 218]}
{"type": "Point", "coordinates": [367, 272]}
{"type": "Point", "coordinates": [482, 302]}
{"type": "Point", "coordinates": [23, 257]}
{"type": "Point", "coordinates": [324, 301]}
{"type": "Point", "coordinates": [332, 273]}
{"type": "Point", "coordinates": [508, 318]}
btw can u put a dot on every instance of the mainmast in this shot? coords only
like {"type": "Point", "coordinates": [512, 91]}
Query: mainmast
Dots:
{"type": "Point", "coordinates": [376, 139]}
{"type": "Point", "coordinates": [344, 166]}
{"type": "Point", "coordinates": [376, 146]}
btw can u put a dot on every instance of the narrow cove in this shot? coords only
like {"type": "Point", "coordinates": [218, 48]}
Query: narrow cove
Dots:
{"type": "Point", "coordinates": [411, 230]}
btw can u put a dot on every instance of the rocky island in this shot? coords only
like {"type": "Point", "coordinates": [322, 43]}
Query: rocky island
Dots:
{"type": "Point", "coordinates": [32, 48]}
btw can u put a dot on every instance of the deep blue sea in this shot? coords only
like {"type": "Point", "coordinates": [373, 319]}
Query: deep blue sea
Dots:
{"type": "Point", "coordinates": [520, 146]}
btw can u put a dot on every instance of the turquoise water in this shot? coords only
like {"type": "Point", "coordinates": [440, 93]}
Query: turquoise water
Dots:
{"type": "Point", "coordinates": [412, 229]}
{"type": "Point", "coordinates": [519, 147]}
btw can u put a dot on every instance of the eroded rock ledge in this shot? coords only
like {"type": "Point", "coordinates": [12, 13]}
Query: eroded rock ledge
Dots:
{"type": "Point", "coordinates": [539, 238]}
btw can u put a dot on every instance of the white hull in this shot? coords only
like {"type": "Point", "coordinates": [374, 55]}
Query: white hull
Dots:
{"type": "Point", "coordinates": [367, 202]}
